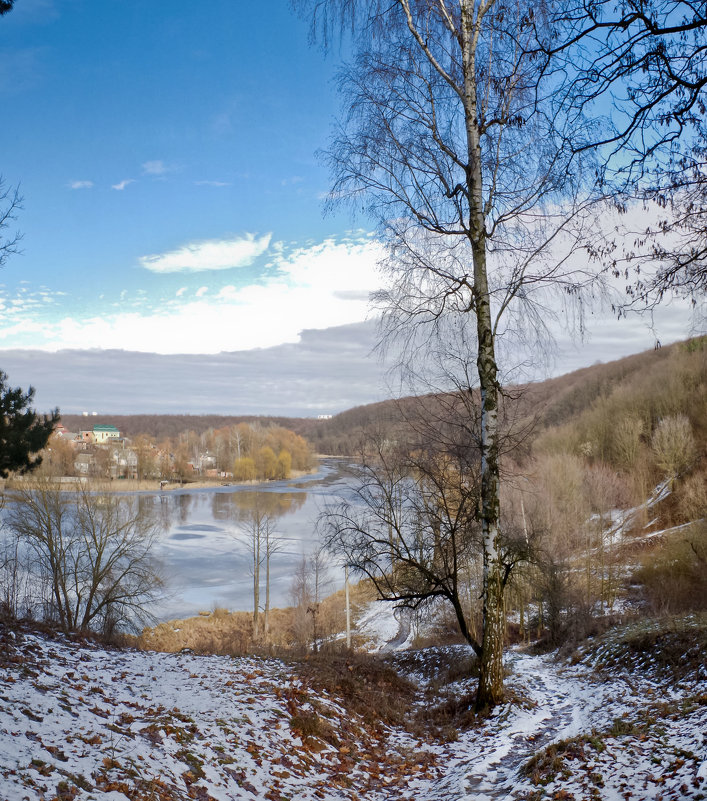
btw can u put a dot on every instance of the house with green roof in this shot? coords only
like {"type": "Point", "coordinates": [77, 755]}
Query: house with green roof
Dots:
{"type": "Point", "coordinates": [100, 434]}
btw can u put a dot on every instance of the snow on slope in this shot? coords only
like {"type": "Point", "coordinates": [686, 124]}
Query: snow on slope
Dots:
{"type": "Point", "coordinates": [384, 628]}
{"type": "Point", "coordinates": [85, 723]}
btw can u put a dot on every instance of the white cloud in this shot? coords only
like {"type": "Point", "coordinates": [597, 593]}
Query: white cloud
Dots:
{"type": "Point", "coordinates": [81, 185]}
{"type": "Point", "coordinates": [212, 254]}
{"type": "Point", "coordinates": [122, 184]}
{"type": "Point", "coordinates": [156, 167]}
{"type": "Point", "coordinates": [212, 183]}
{"type": "Point", "coordinates": [320, 287]}
{"type": "Point", "coordinates": [313, 287]}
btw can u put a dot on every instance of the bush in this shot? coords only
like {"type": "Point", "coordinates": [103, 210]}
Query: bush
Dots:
{"type": "Point", "coordinates": [673, 445]}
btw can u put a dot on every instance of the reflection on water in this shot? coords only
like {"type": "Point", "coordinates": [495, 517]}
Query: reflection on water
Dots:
{"type": "Point", "coordinates": [205, 560]}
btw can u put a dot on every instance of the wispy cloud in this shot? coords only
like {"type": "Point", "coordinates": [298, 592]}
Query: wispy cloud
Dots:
{"type": "Point", "coordinates": [122, 184]}
{"type": "Point", "coordinates": [211, 254]}
{"type": "Point", "coordinates": [81, 185]}
{"type": "Point", "coordinates": [212, 183]}
{"type": "Point", "coordinates": [157, 167]}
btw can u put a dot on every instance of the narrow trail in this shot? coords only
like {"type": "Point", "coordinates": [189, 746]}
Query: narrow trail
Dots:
{"type": "Point", "coordinates": [488, 768]}
{"type": "Point", "coordinates": [402, 616]}
{"type": "Point", "coordinates": [553, 713]}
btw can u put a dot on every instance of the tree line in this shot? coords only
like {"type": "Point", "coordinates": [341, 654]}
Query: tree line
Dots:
{"type": "Point", "coordinates": [244, 452]}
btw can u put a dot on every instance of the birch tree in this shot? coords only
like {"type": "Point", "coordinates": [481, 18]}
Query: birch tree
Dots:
{"type": "Point", "coordinates": [262, 542]}
{"type": "Point", "coordinates": [452, 143]}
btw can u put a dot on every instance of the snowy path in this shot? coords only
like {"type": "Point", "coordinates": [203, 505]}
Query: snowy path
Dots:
{"type": "Point", "coordinates": [663, 760]}
{"type": "Point", "coordinates": [402, 616]}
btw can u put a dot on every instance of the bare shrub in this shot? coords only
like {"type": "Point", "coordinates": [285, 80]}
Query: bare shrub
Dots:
{"type": "Point", "coordinates": [692, 497]}
{"type": "Point", "coordinates": [365, 685]}
{"type": "Point", "coordinates": [673, 445]}
{"type": "Point", "coordinates": [627, 440]}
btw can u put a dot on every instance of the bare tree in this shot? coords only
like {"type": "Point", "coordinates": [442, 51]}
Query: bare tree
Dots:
{"type": "Point", "coordinates": [414, 528]}
{"type": "Point", "coordinates": [94, 553]}
{"type": "Point", "coordinates": [452, 144]}
{"type": "Point", "coordinates": [10, 204]}
{"type": "Point", "coordinates": [301, 596]}
{"type": "Point", "coordinates": [307, 591]}
{"type": "Point", "coordinates": [272, 545]}
{"type": "Point", "coordinates": [640, 69]}
{"type": "Point", "coordinates": [673, 444]}
{"type": "Point", "coordinates": [254, 542]}
{"type": "Point", "coordinates": [259, 536]}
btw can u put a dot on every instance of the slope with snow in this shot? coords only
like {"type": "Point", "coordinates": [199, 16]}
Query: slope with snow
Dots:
{"type": "Point", "coordinates": [78, 721]}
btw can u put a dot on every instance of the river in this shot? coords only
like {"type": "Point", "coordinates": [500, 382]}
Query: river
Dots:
{"type": "Point", "coordinates": [205, 560]}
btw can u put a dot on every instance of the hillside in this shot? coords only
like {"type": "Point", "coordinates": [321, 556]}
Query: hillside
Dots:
{"type": "Point", "coordinates": [627, 720]}
{"type": "Point", "coordinates": [550, 403]}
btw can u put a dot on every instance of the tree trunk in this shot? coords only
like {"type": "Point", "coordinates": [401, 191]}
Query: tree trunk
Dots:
{"type": "Point", "coordinates": [266, 618]}
{"type": "Point", "coordinates": [256, 579]}
{"type": "Point", "coordinates": [490, 690]}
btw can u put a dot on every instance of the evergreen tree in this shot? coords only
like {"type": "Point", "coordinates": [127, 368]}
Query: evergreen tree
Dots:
{"type": "Point", "coordinates": [23, 433]}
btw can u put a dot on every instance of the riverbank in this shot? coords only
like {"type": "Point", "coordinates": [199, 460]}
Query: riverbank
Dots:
{"type": "Point", "coordinates": [120, 485]}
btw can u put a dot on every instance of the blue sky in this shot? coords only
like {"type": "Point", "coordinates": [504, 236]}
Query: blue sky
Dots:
{"type": "Point", "coordinates": [166, 153]}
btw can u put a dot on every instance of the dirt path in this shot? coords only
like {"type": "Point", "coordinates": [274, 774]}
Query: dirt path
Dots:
{"type": "Point", "coordinates": [402, 617]}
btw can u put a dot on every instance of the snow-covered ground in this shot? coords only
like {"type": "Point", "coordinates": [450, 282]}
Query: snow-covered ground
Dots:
{"type": "Point", "coordinates": [384, 628]}
{"type": "Point", "coordinates": [78, 721]}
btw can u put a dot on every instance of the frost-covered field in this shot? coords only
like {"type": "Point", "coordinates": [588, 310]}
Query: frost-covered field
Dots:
{"type": "Point", "coordinates": [78, 721]}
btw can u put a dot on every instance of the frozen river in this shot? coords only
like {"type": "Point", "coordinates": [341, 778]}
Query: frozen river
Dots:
{"type": "Point", "coordinates": [206, 564]}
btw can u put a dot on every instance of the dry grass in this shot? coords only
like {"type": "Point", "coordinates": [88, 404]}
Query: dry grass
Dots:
{"type": "Point", "coordinates": [218, 632]}
{"type": "Point", "coordinates": [364, 684]}
{"type": "Point", "coordinates": [231, 633]}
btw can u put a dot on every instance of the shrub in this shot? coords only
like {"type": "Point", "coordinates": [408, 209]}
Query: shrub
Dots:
{"type": "Point", "coordinates": [673, 445]}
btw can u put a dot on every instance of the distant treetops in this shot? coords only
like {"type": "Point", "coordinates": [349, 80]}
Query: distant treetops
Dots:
{"type": "Point", "coordinates": [268, 453]}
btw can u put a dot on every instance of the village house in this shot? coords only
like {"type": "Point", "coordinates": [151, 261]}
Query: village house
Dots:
{"type": "Point", "coordinates": [103, 434]}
